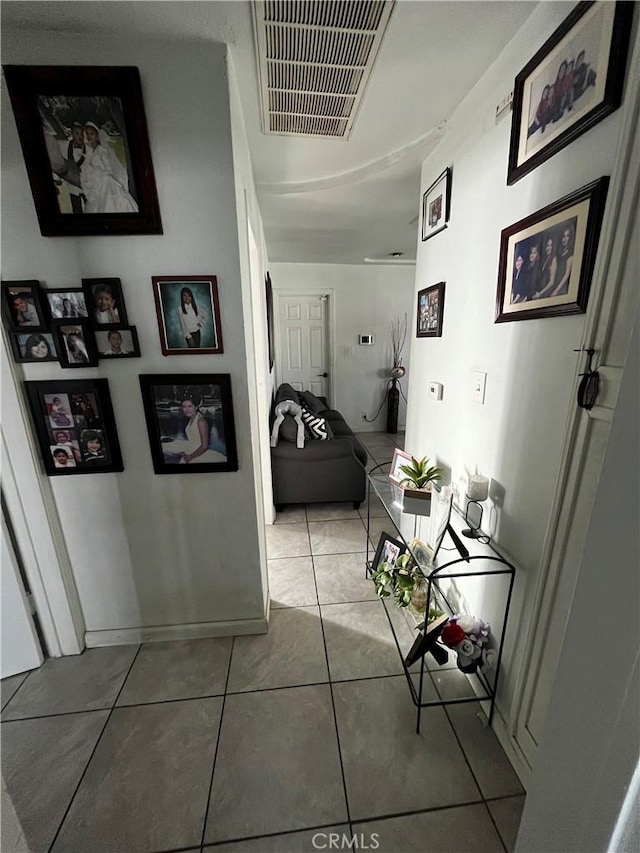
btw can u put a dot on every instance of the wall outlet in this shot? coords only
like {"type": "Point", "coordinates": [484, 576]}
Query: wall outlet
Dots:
{"type": "Point", "coordinates": [364, 416]}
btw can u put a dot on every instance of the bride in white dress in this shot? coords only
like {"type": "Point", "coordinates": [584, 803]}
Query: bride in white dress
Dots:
{"type": "Point", "coordinates": [104, 180]}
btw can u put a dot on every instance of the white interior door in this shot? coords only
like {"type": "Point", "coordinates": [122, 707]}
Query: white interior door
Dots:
{"type": "Point", "coordinates": [303, 342]}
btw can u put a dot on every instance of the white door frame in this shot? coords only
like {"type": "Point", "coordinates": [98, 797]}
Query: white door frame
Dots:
{"type": "Point", "coordinates": [330, 292]}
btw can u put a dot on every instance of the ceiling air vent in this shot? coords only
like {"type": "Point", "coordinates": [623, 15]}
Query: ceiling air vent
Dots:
{"type": "Point", "coordinates": [315, 59]}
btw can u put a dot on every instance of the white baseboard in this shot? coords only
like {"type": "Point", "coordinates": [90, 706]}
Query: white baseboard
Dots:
{"type": "Point", "coordinates": [162, 633]}
{"type": "Point", "coordinates": [512, 749]}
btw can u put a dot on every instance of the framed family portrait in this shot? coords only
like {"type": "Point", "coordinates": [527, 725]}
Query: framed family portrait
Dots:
{"type": "Point", "coordinates": [84, 140]}
{"type": "Point", "coordinates": [430, 311]}
{"type": "Point", "coordinates": [120, 342]}
{"type": "Point", "coordinates": [74, 426]}
{"type": "Point", "coordinates": [104, 302]}
{"type": "Point", "coordinates": [572, 83]}
{"type": "Point", "coordinates": [22, 306]}
{"type": "Point", "coordinates": [74, 343]}
{"type": "Point", "coordinates": [546, 260]}
{"type": "Point", "coordinates": [436, 204]}
{"type": "Point", "coordinates": [66, 303]}
{"type": "Point", "coordinates": [188, 314]}
{"type": "Point", "coordinates": [190, 422]}
{"type": "Point", "coordinates": [32, 347]}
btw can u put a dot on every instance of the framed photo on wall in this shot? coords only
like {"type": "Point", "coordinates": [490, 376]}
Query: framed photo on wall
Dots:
{"type": "Point", "coordinates": [546, 260]}
{"type": "Point", "coordinates": [188, 314]}
{"type": "Point", "coordinates": [32, 347]}
{"type": "Point", "coordinates": [75, 343]}
{"type": "Point", "coordinates": [120, 342]}
{"type": "Point", "coordinates": [22, 306]}
{"type": "Point", "coordinates": [84, 140]}
{"type": "Point", "coordinates": [66, 303]}
{"type": "Point", "coordinates": [105, 302]}
{"type": "Point", "coordinates": [74, 426]}
{"type": "Point", "coordinates": [430, 311]}
{"type": "Point", "coordinates": [436, 204]}
{"type": "Point", "coordinates": [572, 83]}
{"type": "Point", "coordinates": [190, 422]}
{"type": "Point", "coordinates": [270, 331]}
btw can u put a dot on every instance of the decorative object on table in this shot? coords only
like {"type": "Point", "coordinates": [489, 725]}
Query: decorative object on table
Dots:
{"type": "Point", "coordinates": [546, 259]}
{"type": "Point", "coordinates": [75, 426]}
{"type": "Point", "coordinates": [427, 639]}
{"type": "Point", "coordinates": [105, 302]}
{"type": "Point", "coordinates": [417, 477]}
{"type": "Point", "coordinates": [188, 314]}
{"type": "Point", "coordinates": [74, 343]}
{"type": "Point", "coordinates": [36, 346]}
{"type": "Point", "coordinates": [190, 422]}
{"type": "Point", "coordinates": [118, 342]}
{"type": "Point", "coordinates": [572, 83]}
{"type": "Point", "coordinates": [430, 311]}
{"type": "Point", "coordinates": [84, 140]}
{"type": "Point", "coordinates": [398, 339]}
{"type": "Point", "coordinates": [399, 458]}
{"type": "Point", "coordinates": [589, 384]}
{"type": "Point", "coordinates": [469, 638]}
{"type": "Point", "coordinates": [66, 303]}
{"type": "Point", "coordinates": [394, 572]}
{"type": "Point", "coordinates": [270, 330]}
{"type": "Point", "coordinates": [436, 205]}
{"type": "Point", "coordinates": [23, 307]}
{"type": "Point", "coordinates": [477, 492]}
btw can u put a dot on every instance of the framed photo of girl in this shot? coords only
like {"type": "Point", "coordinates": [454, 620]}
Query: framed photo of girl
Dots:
{"type": "Point", "coordinates": [104, 302]}
{"type": "Point", "coordinates": [430, 311]}
{"type": "Point", "coordinates": [74, 426]}
{"type": "Point", "coordinates": [572, 83]}
{"type": "Point", "coordinates": [84, 140]}
{"type": "Point", "coordinates": [188, 314]}
{"type": "Point", "coordinates": [546, 260]}
{"type": "Point", "coordinates": [190, 422]}
{"type": "Point", "coordinates": [436, 205]}
{"type": "Point", "coordinates": [33, 347]}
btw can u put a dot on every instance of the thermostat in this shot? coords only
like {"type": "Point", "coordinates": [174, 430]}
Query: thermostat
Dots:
{"type": "Point", "coordinates": [366, 340]}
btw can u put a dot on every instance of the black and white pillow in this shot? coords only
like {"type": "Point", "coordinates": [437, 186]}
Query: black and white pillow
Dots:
{"type": "Point", "coordinates": [317, 426]}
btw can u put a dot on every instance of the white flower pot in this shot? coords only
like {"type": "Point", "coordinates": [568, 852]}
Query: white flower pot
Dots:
{"type": "Point", "coordinates": [416, 501]}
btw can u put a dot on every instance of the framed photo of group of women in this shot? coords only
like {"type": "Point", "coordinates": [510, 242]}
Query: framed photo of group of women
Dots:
{"type": "Point", "coordinates": [188, 314]}
{"type": "Point", "coordinates": [75, 426]}
{"type": "Point", "coordinates": [84, 140]}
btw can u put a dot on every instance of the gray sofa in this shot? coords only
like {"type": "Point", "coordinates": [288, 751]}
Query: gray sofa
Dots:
{"type": "Point", "coordinates": [322, 471]}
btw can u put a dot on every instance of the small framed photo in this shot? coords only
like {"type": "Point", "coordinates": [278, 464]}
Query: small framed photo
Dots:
{"type": "Point", "coordinates": [75, 343]}
{"type": "Point", "coordinates": [572, 83]}
{"type": "Point", "coordinates": [105, 302]}
{"type": "Point", "coordinates": [188, 314]}
{"type": "Point", "coordinates": [37, 346]}
{"type": "Point", "coordinates": [399, 458]}
{"type": "Point", "coordinates": [85, 145]}
{"type": "Point", "coordinates": [430, 311]}
{"type": "Point", "coordinates": [436, 204]}
{"type": "Point", "coordinates": [22, 306]}
{"type": "Point", "coordinates": [388, 551]}
{"type": "Point", "coordinates": [66, 303]}
{"type": "Point", "coordinates": [74, 426]}
{"type": "Point", "coordinates": [546, 260]}
{"type": "Point", "coordinates": [120, 342]}
{"type": "Point", "coordinates": [190, 422]}
{"type": "Point", "coordinates": [270, 330]}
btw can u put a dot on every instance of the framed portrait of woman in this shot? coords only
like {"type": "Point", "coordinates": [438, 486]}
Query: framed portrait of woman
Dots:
{"type": "Point", "coordinates": [84, 140]}
{"type": "Point", "coordinates": [190, 422]}
{"type": "Point", "coordinates": [188, 314]}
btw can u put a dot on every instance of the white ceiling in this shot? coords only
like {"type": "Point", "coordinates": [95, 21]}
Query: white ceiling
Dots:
{"type": "Point", "coordinates": [328, 200]}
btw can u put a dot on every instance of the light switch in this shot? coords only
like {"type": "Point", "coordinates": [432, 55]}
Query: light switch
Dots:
{"type": "Point", "coordinates": [479, 382]}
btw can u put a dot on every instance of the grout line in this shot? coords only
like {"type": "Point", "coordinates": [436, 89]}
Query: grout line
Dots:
{"type": "Point", "coordinates": [19, 686]}
{"type": "Point", "coordinates": [413, 812]}
{"type": "Point", "coordinates": [214, 844]}
{"type": "Point", "coordinates": [491, 818]}
{"type": "Point", "coordinates": [59, 714]}
{"type": "Point", "coordinates": [93, 751]}
{"type": "Point", "coordinates": [464, 753]}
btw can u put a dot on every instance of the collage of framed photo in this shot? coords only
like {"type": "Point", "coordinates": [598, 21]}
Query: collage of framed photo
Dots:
{"type": "Point", "coordinates": [74, 426]}
{"type": "Point", "coordinates": [188, 314]}
{"type": "Point", "coordinates": [430, 311]}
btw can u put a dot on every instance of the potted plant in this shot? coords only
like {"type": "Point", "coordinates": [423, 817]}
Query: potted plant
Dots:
{"type": "Point", "coordinates": [416, 485]}
{"type": "Point", "coordinates": [399, 579]}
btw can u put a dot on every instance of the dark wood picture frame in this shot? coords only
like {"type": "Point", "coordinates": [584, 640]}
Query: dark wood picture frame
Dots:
{"type": "Point", "coordinates": [430, 311]}
{"type": "Point", "coordinates": [597, 32]}
{"type": "Point", "coordinates": [105, 302]}
{"type": "Point", "coordinates": [436, 205]}
{"type": "Point", "coordinates": [67, 96]}
{"type": "Point", "coordinates": [23, 349]}
{"type": "Point", "coordinates": [382, 550]}
{"type": "Point", "coordinates": [170, 309]}
{"type": "Point", "coordinates": [172, 404]}
{"type": "Point", "coordinates": [538, 288]}
{"type": "Point", "coordinates": [56, 295]}
{"type": "Point", "coordinates": [84, 414]}
{"type": "Point", "coordinates": [270, 330]}
{"type": "Point", "coordinates": [128, 338]}
{"type": "Point", "coordinates": [37, 319]}
{"type": "Point", "coordinates": [80, 353]}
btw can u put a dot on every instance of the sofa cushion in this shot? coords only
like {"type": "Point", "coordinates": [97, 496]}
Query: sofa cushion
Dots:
{"type": "Point", "coordinates": [333, 415]}
{"type": "Point", "coordinates": [286, 392]}
{"type": "Point", "coordinates": [317, 425]}
{"type": "Point", "coordinates": [314, 404]}
{"type": "Point", "coordinates": [340, 428]}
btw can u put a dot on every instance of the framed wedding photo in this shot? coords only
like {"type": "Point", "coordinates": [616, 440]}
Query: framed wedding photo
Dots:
{"type": "Point", "coordinates": [74, 426]}
{"type": "Point", "coordinates": [190, 422]}
{"type": "Point", "coordinates": [572, 83]}
{"type": "Point", "coordinates": [546, 260]}
{"type": "Point", "coordinates": [188, 314]}
{"type": "Point", "coordinates": [85, 145]}
{"type": "Point", "coordinates": [430, 311]}
{"type": "Point", "coordinates": [436, 204]}
{"type": "Point", "coordinates": [23, 307]}
{"type": "Point", "coordinates": [105, 302]}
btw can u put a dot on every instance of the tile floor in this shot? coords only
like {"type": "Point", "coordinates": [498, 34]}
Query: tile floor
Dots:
{"type": "Point", "coordinates": [264, 744]}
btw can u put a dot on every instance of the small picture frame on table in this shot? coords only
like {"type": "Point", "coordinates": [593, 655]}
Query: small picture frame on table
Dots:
{"type": "Point", "coordinates": [388, 551]}
{"type": "Point", "coordinates": [188, 314]}
{"type": "Point", "coordinates": [436, 205]}
{"type": "Point", "coordinates": [22, 306]}
{"type": "Point", "coordinates": [74, 426]}
{"type": "Point", "coordinates": [66, 303]}
{"type": "Point", "coordinates": [430, 311]}
{"type": "Point", "coordinates": [33, 347]}
{"type": "Point", "coordinates": [117, 342]}
{"type": "Point", "coordinates": [74, 343]}
{"type": "Point", "coordinates": [399, 458]}
{"type": "Point", "coordinates": [105, 302]}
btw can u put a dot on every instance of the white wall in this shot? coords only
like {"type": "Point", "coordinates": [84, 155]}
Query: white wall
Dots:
{"type": "Point", "coordinates": [367, 298]}
{"type": "Point", "coordinates": [515, 438]}
{"type": "Point", "coordinates": [151, 550]}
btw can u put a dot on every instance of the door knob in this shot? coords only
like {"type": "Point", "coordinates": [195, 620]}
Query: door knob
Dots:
{"type": "Point", "coordinates": [325, 374]}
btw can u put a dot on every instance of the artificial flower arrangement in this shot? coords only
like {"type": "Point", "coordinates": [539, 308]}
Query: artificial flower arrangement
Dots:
{"type": "Point", "coordinates": [468, 636]}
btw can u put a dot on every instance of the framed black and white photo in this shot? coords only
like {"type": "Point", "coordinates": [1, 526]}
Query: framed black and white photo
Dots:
{"type": "Point", "coordinates": [74, 343]}
{"type": "Point", "coordinates": [84, 140]}
{"type": "Point", "coordinates": [105, 302]}
{"type": "Point", "coordinates": [33, 347]}
{"type": "Point", "coordinates": [190, 422]}
{"type": "Point", "coordinates": [388, 551]}
{"type": "Point", "coordinates": [436, 204]}
{"type": "Point", "coordinates": [74, 426]}
{"type": "Point", "coordinates": [546, 260]}
{"type": "Point", "coordinates": [572, 83]}
{"type": "Point", "coordinates": [66, 303]}
{"type": "Point", "coordinates": [188, 314]}
{"type": "Point", "coordinates": [120, 342]}
{"type": "Point", "coordinates": [430, 311]}
{"type": "Point", "coordinates": [22, 306]}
